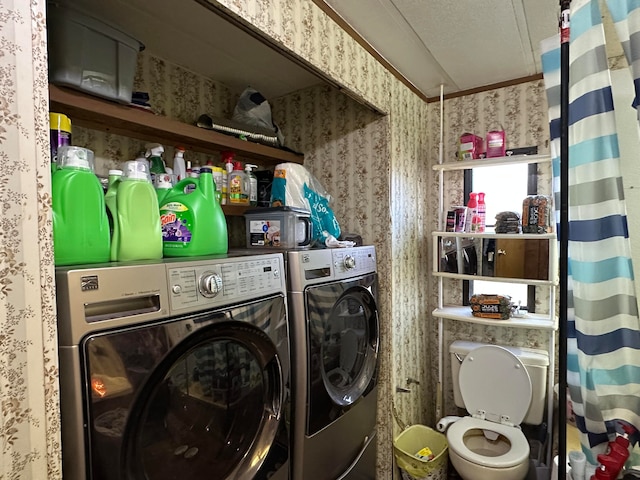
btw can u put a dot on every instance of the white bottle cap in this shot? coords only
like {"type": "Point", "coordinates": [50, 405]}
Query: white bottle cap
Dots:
{"type": "Point", "coordinates": [136, 170]}
{"type": "Point", "coordinates": [115, 173]}
{"type": "Point", "coordinates": [76, 157]}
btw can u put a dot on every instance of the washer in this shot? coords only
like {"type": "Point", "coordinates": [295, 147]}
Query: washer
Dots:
{"type": "Point", "coordinates": [175, 370]}
{"type": "Point", "coordinates": [335, 340]}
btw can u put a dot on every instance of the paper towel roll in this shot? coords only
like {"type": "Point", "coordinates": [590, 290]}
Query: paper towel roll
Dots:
{"type": "Point", "coordinates": [578, 462]}
{"type": "Point", "coordinates": [444, 422]}
{"type": "Point", "coordinates": [554, 469]}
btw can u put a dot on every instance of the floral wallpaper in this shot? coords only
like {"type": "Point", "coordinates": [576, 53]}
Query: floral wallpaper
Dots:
{"type": "Point", "coordinates": [29, 420]}
{"type": "Point", "coordinates": [371, 145]}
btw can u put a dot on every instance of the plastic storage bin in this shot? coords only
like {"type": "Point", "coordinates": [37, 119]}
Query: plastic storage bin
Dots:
{"type": "Point", "coordinates": [279, 227]}
{"type": "Point", "coordinates": [87, 54]}
{"type": "Point", "coordinates": [411, 441]}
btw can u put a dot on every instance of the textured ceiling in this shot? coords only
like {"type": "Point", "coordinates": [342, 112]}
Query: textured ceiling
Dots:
{"type": "Point", "coordinates": [462, 44]}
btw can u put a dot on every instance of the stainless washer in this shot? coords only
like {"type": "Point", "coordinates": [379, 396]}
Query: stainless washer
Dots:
{"type": "Point", "coordinates": [333, 318]}
{"type": "Point", "coordinates": [175, 370]}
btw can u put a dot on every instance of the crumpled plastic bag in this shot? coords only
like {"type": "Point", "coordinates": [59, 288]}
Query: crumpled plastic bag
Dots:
{"type": "Point", "coordinates": [294, 186]}
{"type": "Point", "coordinates": [253, 110]}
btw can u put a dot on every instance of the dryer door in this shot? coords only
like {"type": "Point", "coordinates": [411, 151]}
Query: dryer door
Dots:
{"type": "Point", "coordinates": [343, 347]}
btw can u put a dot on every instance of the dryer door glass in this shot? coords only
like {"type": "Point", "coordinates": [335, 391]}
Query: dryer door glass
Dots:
{"type": "Point", "coordinates": [343, 348]}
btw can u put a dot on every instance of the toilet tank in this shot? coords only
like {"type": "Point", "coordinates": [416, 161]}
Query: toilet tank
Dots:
{"type": "Point", "coordinates": [535, 361]}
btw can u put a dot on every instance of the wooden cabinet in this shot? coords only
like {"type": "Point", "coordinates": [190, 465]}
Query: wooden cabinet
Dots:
{"type": "Point", "coordinates": [519, 258]}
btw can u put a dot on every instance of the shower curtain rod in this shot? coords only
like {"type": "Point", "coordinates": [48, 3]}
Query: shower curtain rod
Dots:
{"type": "Point", "coordinates": [563, 237]}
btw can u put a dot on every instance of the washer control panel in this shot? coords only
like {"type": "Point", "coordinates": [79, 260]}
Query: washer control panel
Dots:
{"type": "Point", "coordinates": [201, 285]}
{"type": "Point", "coordinates": [348, 262]}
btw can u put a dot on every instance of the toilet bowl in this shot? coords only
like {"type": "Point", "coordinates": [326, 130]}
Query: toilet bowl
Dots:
{"type": "Point", "coordinates": [497, 392]}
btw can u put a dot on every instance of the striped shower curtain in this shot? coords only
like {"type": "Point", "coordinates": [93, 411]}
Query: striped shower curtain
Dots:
{"type": "Point", "coordinates": [603, 345]}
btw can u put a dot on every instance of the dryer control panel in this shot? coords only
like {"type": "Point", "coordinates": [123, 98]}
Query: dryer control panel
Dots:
{"type": "Point", "coordinates": [199, 285]}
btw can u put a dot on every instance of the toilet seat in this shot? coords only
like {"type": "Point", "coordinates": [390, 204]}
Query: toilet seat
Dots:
{"type": "Point", "coordinates": [518, 452]}
{"type": "Point", "coordinates": [495, 385]}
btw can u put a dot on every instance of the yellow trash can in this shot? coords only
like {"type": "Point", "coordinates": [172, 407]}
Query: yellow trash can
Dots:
{"type": "Point", "coordinates": [410, 442]}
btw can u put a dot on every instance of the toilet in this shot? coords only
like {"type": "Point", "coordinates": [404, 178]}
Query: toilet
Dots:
{"type": "Point", "coordinates": [501, 388]}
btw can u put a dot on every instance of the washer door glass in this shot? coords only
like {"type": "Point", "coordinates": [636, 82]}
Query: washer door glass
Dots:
{"type": "Point", "coordinates": [345, 335]}
{"type": "Point", "coordinates": [210, 410]}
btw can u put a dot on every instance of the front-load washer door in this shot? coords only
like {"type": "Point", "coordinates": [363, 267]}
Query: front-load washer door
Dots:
{"type": "Point", "coordinates": [199, 396]}
{"type": "Point", "coordinates": [343, 339]}
{"type": "Point", "coordinates": [210, 410]}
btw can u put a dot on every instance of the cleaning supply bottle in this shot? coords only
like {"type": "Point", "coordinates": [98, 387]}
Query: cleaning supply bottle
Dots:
{"type": "Point", "coordinates": [154, 156]}
{"type": "Point", "coordinates": [471, 223]}
{"type": "Point", "coordinates": [218, 180]}
{"type": "Point", "coordinates": [482, 212]}
{"type": "Point", "coordinates": [111, 202]}
{"type": "Point", "coordinates": [193, 223]}
{"type": "Point", "coordinates": [227, 160]}
{"type": "Point", "coordinates": [137, 217]}
{"type": "Point", "coordinates": [238, 185]}
{"type": "Point", "coordinates": [253, 184]}
{"type": "Point", "coordinates": [179, 168]}
{"type": "Point", "coordinates": [60, 135]}
{"type": "Point", "coordinates": [162, 185]}
{"type": "Point", "coordinates": [80, 224]}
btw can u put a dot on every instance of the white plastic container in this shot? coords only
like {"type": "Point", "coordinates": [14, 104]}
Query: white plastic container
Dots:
{"type": "Point", "coordinates": [87, 54]}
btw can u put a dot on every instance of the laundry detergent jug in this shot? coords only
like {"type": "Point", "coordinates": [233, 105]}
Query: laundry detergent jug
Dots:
{"type": "Point", "coordinates": [136, 219]}
{"type": "Point", "coordinates": [193, 222]}
{"type": "Point", "coordinates": [80, 224]}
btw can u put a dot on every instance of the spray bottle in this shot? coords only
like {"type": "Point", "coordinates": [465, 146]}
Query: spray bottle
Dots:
{"type": "Point", "coordinates": [179, 168]}
{"type": "Point", "coordinates": [482, 213]}
{"type": "Point", "coordinates": [154, 156]}
{"type": "Point", "coordinates": [253, 184]}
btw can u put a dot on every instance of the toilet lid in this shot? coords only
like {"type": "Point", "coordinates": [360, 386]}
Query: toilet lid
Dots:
{"type": "Point", "coordinates": [494, 380]}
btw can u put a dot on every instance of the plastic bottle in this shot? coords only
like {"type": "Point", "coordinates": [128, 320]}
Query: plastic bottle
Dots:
{"type": "Point", "coordinates": [179, 168]}
{"type": "Point", "coordinates": [482, 212]}
{"type": "Point", "coordinates": [154, 155]}
{"type": "Point", "coordinates": [471, 223]}
{"type": "Point", "coordinates": [193, 223]}
{"type": "Point", "coordinates": [238, 185]}
{"type": "Point", "coordinates": [137, 217]}
{"type": "Point", "coordinates": [110, 200]}
{"type": "Point", "coordinates": [60, 134]}
{"type": "Point", "coordinates": [80, 225]}
{"type": "Point", "coordinates": [218, 179]}
{"type": "Point", "coordinates": [162, 184]}
{"type": "Point", "coordinates": [253, 184]}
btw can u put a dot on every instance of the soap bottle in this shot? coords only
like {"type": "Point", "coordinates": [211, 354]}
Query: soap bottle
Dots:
{"type": "Point", "coordinates": [80, 225]}
{"type": "Point", "coordinates": [238, 185]}
{"type": "Point", "coordinates": [115, 176]}
{"type": "Point", "coordinates": [253, 184]}
{"type": "Point", "coordinates": [60, 134]}
{"type": "Point", "coordinates": [179, 168]}
{"type": "Point", "coordinates": [137, 215]}
{"type": "Point", "coordinates": [482, 212]}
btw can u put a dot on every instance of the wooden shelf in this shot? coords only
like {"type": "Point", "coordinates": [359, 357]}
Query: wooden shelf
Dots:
{"type": "Point", "coordinates": [235, 210]}
{"type": "Point", "coordinates": [492, 162]}
{"type": "Point", "coordinates": [96, 113]}
{"type": "Point", "coordinates": [531, 320]}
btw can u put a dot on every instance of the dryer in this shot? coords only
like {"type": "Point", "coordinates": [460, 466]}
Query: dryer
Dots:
{"type": "Point", "coordinates": [334, 328]}
{"type": "Point", "coordinates": [174, 370]}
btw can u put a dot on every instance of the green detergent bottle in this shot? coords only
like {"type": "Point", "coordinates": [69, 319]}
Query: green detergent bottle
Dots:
{"type": "Point", "coordinates": [193, 223]}
{"type": "Point", "coordinates": [115, 176]}
{"type": "Point", "coordinates": [137, 234]}
{"type": "Point", "coordinates": [80, 224]}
